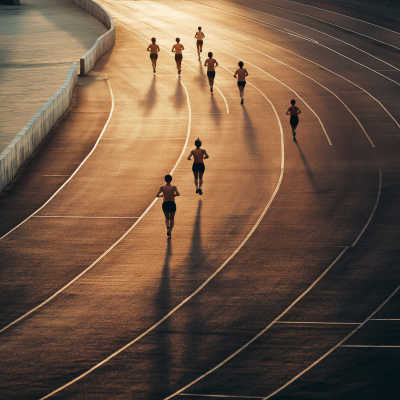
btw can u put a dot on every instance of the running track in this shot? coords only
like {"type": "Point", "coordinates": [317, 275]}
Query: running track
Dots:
{"type": "Point", "coordinates": [280, 281]}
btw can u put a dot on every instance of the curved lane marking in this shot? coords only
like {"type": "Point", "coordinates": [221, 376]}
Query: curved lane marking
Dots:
{"type": "Point", "coordinates": [290, 32]}
{"type": "Point", "coordinates": [286, 310]}
{"type": "Point", "coordinates": [343, 15]}
{"type": "Point", "coordinates": [334, 348]}
{"type": "Point", "coordinates": [120, 239]}
{"type": "Point", "coordinates": [307, 105]}
{"type": "Point", "coordinates": [207, 280]}
{"type": "Point", "coordinates": [74, 173]}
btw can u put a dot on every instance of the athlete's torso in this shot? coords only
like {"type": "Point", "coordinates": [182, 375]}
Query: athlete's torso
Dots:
{"type": "Point", "coordinates": [241, 74]}
{"type": "Point", "coordinates": [154, 48]}
{"type": "Point", "coordinates": [199, 35]}
{"type": "Point", "coordinates": [168, 191]}
{"type": "Point", "coordinates": [293, 110]}
{"type": "Point", "coordinates": [198, 155]}
{"type": "Point", "coordinates": [178, 48]}
{"type": "Point", "coordinates": [211, 64]}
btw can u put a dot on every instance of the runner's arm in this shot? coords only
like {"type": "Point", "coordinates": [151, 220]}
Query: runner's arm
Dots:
{"type": "Point", "coordinates": [246, 73]}
{"type": "Point", "coordinates": [149, 48]}
{"type": "Point", "coordinates": [158, 48]}
{"type": "Point", "coordinates": [176, 191]}
{"type": "Point", "coordinates": [206, 62]}
{"type": "Point", "coordinates": [298, 111]}
{"type": "Point", "coordinates": [159, 193]}
{"type": "Point", "coordinates": [215, 63]}
{"type": "Point", "coordinates": [235, 74]}
{"type": "Point", "coordinates": [190, 155]}
{"type": "Point", "coordinates": [173, 49]}
{"type": "Point", "coordinates": [288, 111]}
{"type": "Point", "coordinates": [205, 155]}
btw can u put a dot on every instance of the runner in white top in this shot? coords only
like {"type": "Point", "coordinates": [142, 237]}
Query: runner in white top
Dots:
{"type": "Point", "coordinates": [199, 36]}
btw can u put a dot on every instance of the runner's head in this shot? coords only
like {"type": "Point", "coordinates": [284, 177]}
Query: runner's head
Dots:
{"type": "Point", "coordinates": [241, 64]}
{"type": "Point", "coordinates": [210, 54]}
{"type": "Point", "coordinates": [197, 143]}
{"type": "Point", "coordinates": [293, 102]}
{"type": "Point", "coordinates": [177, 40]}
{"type": "Point", "coordinates": [199, 28]}
{"type": "Point", "coordinates": [168, 178]}
{"type": "Point", "coordinates": [153, 39]}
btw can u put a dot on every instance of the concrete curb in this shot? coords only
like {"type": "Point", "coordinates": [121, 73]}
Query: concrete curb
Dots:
{"type": "Point", "coordinates": [104, 42]}
{"type": "Point", "coordinates": [29, 138]}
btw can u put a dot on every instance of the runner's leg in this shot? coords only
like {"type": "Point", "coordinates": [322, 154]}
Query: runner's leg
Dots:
{"type": "Point", "coordinates": [196, 179]}
{"type": "Point", "coordinates": [171, 219]}
{"type": "Point", "coordinates": [201, 179]}
{"type": "Point", "coordinates": [167, 218]}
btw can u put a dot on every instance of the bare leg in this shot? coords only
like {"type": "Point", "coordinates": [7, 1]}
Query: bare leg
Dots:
{"type": "Point", "coordinates": [171, 220]}
{"type": "Point", "coordinates": [196, 178]}
{"type": "Point", "coordinates": [198, 51]}
{"type": "Point", "coordinates": [201, 179]}
{"type": "Point", "coordinates": [210, 81]}
{"type": "Point", "coordinates": [241, 90]}
{"type": "Point", "coordinates": [167, 218]}
{"type": "Point", "coordinates": [178, 65]}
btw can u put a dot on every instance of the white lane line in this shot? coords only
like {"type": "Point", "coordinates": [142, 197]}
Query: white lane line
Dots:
{"type": "Point", "coordinates": [373, 211]}
{"type": "Point", "coordinates": [289, 66]}
{"type": "Point", "coordinates": [266, 328]}
{"type": "Point", "coordinates": [333, 348]}
{"type": "Point", "coordinates": [319, 323]}
{"type": "Point", "coordinates": [226, 103]}
{"type": "Point", "coordinates": [73, 174]}
{"type": "Point", "coordinates": [385, 319]}
{"type": "Point", "coordinates": [287, 31]}
{"type": "Point", "coordinates": [304, 58]}
{"type": "Point", "coordinates": [121, 238]}
{"type": "Point", "coordinates": [56, 175]}
{"type": "Point", "coordinates": [333, 12]}
{"type": "Point", "coordinates": [307, 105]}
{"type": "Point", "coordinates": [220, 396]}
{"type": "Point", "coordinates": [359, 345]}
{"type": "Point", "coordinates": [206, 281]}
{"type": "Point", "coordinates": [79, 216]}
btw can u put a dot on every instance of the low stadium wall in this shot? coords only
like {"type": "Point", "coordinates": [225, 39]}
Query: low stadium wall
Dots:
{"type": "Point", "coordinates": [25, 143]}
{"type": "Point", "coordinates": [29, 138]}
{"type": "Point", "coordinates": [104, 42]}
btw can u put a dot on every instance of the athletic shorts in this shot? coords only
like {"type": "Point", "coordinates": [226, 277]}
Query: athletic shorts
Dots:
{"type": "Point", "coordinates": [211, 74]}
{"type": "Point", "coordinates": [153, 55]}
{"type": "Point", "coordinates": [169, 206]}
{"type": "Point", "coordinates": [294, 120]}
{"type": "Point", "coordinates": [178, 57]}
{"type": "Point", "coordinates": [198, 167]}
{"type": "Point", "coordinates": [241, 83]}
{"type": "Point", "coordinates": [199, 42]}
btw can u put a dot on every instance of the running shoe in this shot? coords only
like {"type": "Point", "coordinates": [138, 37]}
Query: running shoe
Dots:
{"type": "Point", "coordinates": [197, 190]}
{"type": "Point", "coordinates": [201, 51]}
{"type": "Point", "coordinates": [242, 101]}
{"type": "Point", "coordinates": [154, 70]}
{"type": "Point", "coordinates": [199, 58]}
{"type": "Point", "coordinates": [168, 232]}
{"type": "Point", "coordinates": [200, 192]}
{"type": "Point", "coordinates": [179, 72]}
{"type": "Point", "coordinates": [211, 89]}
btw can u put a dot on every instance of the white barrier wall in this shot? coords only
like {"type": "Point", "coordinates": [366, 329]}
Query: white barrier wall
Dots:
{"type": "Point", "coordinates": [29, 138]}
{"type": "Point", "coordinates": [26, 142]}
{"type": "Point", "coordinates": [104, 42]}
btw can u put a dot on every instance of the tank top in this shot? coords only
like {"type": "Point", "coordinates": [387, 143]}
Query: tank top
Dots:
{"type": "Point", "coordinates": [168, 191]}
{"type": "Point", "coordinates": [198, 156]}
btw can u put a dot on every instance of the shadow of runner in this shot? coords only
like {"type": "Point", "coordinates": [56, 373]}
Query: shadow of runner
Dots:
{"type": "Point", "coordinates": [249, 133]}
{"type": "Point", "coordinates": [150, 98]}
{"type": "Point", "coordinates": [310, 175]}
{"type": "Point", "coordinates": [179, 98]}
{"type": "Point", "coordinates": [161, 355]}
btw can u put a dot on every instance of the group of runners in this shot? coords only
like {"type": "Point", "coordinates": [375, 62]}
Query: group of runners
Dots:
{"type": "Point", "coordinates": [169, 191]}
{"type": "Point", "coordinates": [211, 63]}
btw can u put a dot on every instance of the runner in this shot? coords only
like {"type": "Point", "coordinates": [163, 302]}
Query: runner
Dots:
{"type": "Point", "coordinates": [177, 49]}
{"type": "Point", "coordinates": [154, 49]}
{"type": "Point", "coordinates": [199, 36]}
{"type": "Point", "coordinates": [199, 155]}
{"type": "Point", "coordinates": [169, 192]}
{"type": "Point", "coordinates": [211, 64]}
{"type": "Point", "coordinates": [241, 74]}
{"type": "Point", "coordinates": [293, 111]}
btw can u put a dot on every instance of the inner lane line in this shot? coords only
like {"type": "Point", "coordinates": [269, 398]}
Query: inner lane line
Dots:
{"type": "Point", "coordinates": [363, 345]}
{"type": "Point", "coordinates": [79, 216]}
{"type": "Point", "coordinates": [320, 323]}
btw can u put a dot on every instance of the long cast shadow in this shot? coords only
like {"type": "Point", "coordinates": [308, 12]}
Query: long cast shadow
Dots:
{"type": "Point", "coordinates": [179, 97]}
{"type": "Point", "coordinates": [150, 97]}
{"type": "Point", "coordinates": [160, 368]}
{"type": "Point", "coordinates": [249, 133]}
{"type": "Point", "coordinates": [310, 175]}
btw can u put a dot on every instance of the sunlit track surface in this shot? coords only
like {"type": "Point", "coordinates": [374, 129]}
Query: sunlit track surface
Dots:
{"type": "Point", "coordinates": [320, 271]}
